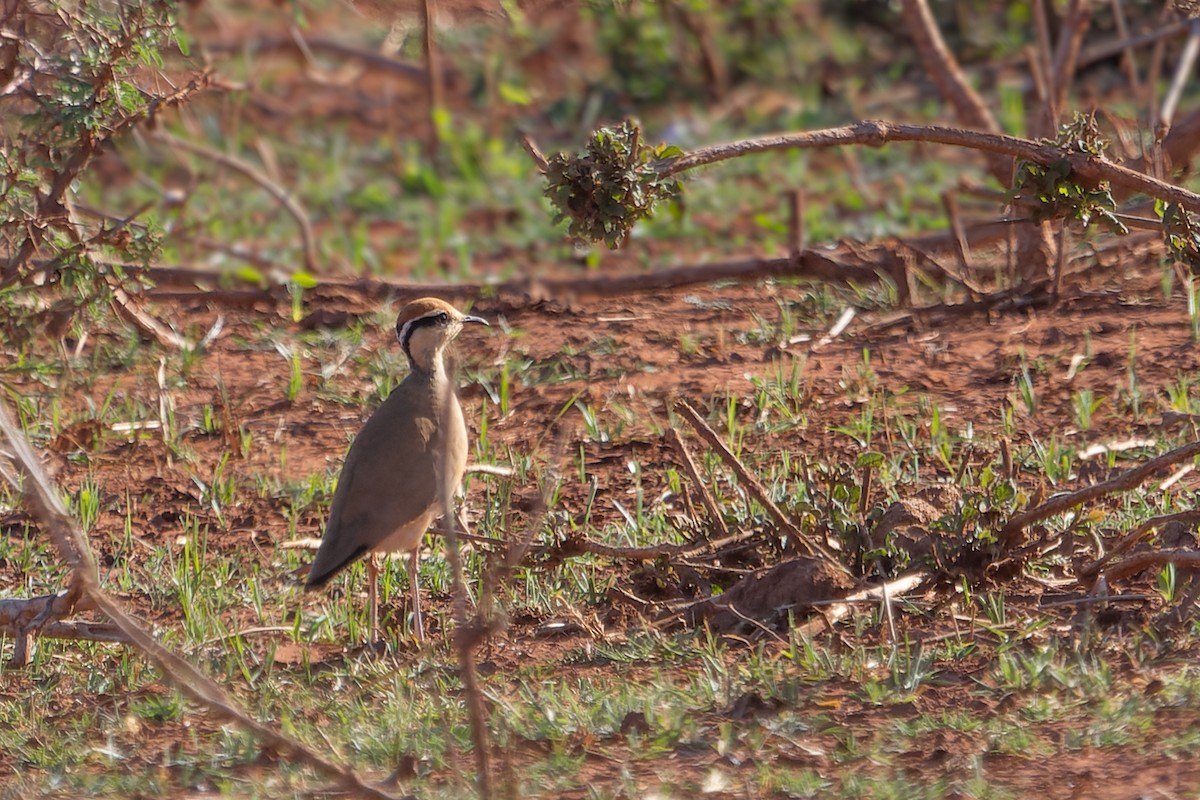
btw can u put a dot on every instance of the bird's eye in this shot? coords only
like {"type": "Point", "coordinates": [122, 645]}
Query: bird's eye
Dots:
{"type": "Point", "coordinates": [443, 317]}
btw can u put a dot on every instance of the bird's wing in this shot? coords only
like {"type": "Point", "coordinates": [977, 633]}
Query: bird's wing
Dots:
{"type": "Point", "coordinates": [383, 486]}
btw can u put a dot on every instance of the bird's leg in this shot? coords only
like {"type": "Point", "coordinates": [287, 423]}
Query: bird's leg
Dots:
{"type": "Point", "coordinates": [460, 515]}
{"type": "Point", "coordinates": [373, 597]}
{"type": "Point", "coordinates": [413, 566]}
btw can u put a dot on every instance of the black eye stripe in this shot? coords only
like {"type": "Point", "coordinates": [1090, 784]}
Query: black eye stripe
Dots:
{"type": "Point", "coordinates": [404, 334]}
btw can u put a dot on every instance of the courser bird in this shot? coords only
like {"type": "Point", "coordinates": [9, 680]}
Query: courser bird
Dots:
{"type": "Point", "coordinates": [406, 462]}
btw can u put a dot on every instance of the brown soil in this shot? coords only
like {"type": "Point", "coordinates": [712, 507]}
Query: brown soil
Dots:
{"type": "Point", "coordinates": [967, 368]}
{"type": "Point", "coordinates": [629, 351]}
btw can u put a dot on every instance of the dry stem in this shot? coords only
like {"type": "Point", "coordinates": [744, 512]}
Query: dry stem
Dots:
{"type": "Point", "coordinates": [1010, 534]}
{"type": "Point", "coordinates": [755, 488]}
{"type": "Point", "coordinates": [44, 503]}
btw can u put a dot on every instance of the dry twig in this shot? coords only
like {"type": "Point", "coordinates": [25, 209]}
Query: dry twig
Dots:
{"type": "Point", "coordinates": [700, 485]}
{"type": "Point", "coordinates": [1188, 559]}
{"type": "Point", "coordinates": [45, 504]}
{"type": "Point", "coordinates": [755, 489]}
{"type": "Point", "coordinates": [943, 69]}
{"type": "Point", "coordinates": [1010, 534]}
{"type": "Point", "coordinates": [465, 637]}
{"type": "Point", "coordinates": [1135, 536]}
{"type": "Point", "coordinates": [281, 195]}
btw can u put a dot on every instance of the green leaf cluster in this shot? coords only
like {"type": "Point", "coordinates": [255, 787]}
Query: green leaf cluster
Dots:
{"type": "Point", "coordinates": [1058, 192]}
{"type": "Point", "coordinates": [604, 192]}
{"type": "Point", "coordinates": [1181, 232]}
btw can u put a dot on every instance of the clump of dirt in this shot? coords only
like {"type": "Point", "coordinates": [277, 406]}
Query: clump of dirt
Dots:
{"type": "Point", "coordinates": [908, 523]}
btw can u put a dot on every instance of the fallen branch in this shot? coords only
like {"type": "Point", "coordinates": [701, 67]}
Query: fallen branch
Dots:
{"type": "Point", "coordinates": [45, 504]}
{"type": "Point", "coordinates": [1189, 559]}
{"type": "Point", "coordinates": [755, 488]}
{"type": "Point", "coordinates": [1135, 536]}
{"type": "Point", "coordinates": [127, 309]}
{"type": "Point", "coordinates": [811, 264]}
{"type": "Point", "coordinates": [652, 552]}
{"type": "Point", "coordinates": [1010, 534]}
{"type": "Point", "coordinates": [840, 609]}
{"type": "Point", "coordinates": [23, 618]}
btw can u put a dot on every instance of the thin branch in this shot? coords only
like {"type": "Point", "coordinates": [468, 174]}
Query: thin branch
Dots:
{"type": "Point", "coordinates": [876, 133]}
{"type": "Point", "coordinates": [45, 504]}
{"type": "Point", "coordinates": [465, 638]}
{"type": "Point", "coordinates": [1010, 534]}
{"type": "Point", "coordinates": [811, 264]}
{"type": "Point", "coordinates": [1099, 52]}
{"type": "Point", "coordinates": [533, 150]}
{"type": "Point", "coordinates": [319, 44]}
{"type": "Point", "coordinates": [1189, 559]}
{"type": "Point", "coordinates": [1135, 536]}
{"type": "Point", "coordinates": [23, 618]}
{"type": "Point", "coordinates": [127, 309]}
{"type": "Point", "coordinates": [698, 483]}
{"type": "Point", "coordinates": [281, 195]}
{"type": "Point", "coordinates": [839, 609]}
{"type": "Point", "coordinates": [1128, 58]}
{"type": "Point", "coordinates": [1066, 55]}
{"type": "Point", "coordinates": [433, 74]}
{"type": "Point", "coordinates": [755, 489]}
{"type": "Point", "coordinates": [943, 69]}
{"type": "Point", "coordinates": [1183, 71]}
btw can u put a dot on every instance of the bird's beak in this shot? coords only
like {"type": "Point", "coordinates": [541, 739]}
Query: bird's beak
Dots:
{"type": "Point", "coordinates": [472, 318]}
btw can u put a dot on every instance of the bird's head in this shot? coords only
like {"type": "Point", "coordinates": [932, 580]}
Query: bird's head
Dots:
{"type": "Point", "coordinates": [426, 326]}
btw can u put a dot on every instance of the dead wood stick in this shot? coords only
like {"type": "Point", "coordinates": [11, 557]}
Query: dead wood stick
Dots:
{"type": "Point", "coordinates": [126, 308]}
{"type": "Point", "coordinates": [433, 74]}
{"type": "Point", "coordinates": [811, 264]}
{"type": "Point", "coordinates": [796, 203]}
{"type": "Point", "coordinates": [1189, 559]}
{"type": "Point", "coordinates": [466, 637]}
{"type": "Point", "coordinates": [82, 630]}
{"type": "Point", "coordinates": [581, 544]}
{"type": "Point", "coordinates": [756, 489]}
{"type": "Point", "coordinates": [1066, 54]}
{"type": "Point", "coordinates": [319, 44]}
{"type": "Point", "coordinates": [1128, 58]}
{"type": "Point", "coordinates": [281, 195]}
{"type": "Point", "coordinates": [1135, 536]}
{"type": "Point", "coordinates": [1010, 534]}
{"type": "Point", "coordinates": [962, 248]}
{"type": "Point", "coordinates": [875, 133]}
{"type": "Point", "coordinates": [1098, 52]}
{"type": "Point", "coordinates": [841, 608]}
{"type": "Point", "coordinates": [1041, 70]}
{"type": "Point", "coordinates": [943, 69]}
{"type": "Point", "coordinates": [817, 266]}
{"type": "Point", "coordinates": [24, 618]}
{"type": "Point", "coordinates": [533, 150]}
{"type": "Point", "coordinates": [701, 486]}
{"type": "Point", "coordinates": [45, 504]}
{"type": "Point", "coordinates": [1183, 71]}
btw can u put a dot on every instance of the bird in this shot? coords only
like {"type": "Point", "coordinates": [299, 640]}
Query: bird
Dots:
{"type": "Point", "coordinates": [405, 464]}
